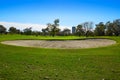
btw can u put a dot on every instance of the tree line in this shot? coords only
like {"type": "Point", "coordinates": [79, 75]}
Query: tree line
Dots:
{"type": "Point", "coordinates": [52, 29]}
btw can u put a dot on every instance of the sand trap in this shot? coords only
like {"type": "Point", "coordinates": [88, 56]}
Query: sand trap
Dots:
{"type": "Point", "coordinates": [88, 43]}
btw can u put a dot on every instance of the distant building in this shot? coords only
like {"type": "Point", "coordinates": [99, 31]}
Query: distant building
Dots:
{"type": "Point", "coordinates": [73, 30]}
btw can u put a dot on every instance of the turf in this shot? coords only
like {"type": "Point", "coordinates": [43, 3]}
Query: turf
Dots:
{"type": "Point", "coordinates": [24, 63]}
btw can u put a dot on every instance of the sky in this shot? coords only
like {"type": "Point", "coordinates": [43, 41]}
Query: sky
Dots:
{"type": "Point", "coordinates": [35, 13]}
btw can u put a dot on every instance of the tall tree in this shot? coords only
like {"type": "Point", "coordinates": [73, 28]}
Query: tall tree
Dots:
{"type": "Point", "coordinates": [2, 29]}
{"type": "Point", "coordinates": [79, 30]}
{"type": "Point", "coordinates": [87, 26]}
{"type": "Point", "coordinates": [66, 32]}
{"type": "Point", "coordinates": [109, 28]}
{"type": "Point", "coordinates": [49, 28]}
{"type": "Point", "coordinates": [53, 28]}
{"type": "Point", "coordinates": [100, 29]}
{"type": "Point", "coordinates": [28, 31]}
{"type": "Point", "coordinates": [44, 31]}
{"type": "Point", "coordinates": [116, 27]}
{"type": "Point", "coordinates": [13, 30]}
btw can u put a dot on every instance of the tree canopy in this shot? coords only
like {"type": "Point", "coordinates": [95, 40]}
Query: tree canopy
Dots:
{"type": "Point", "coordinates": [2, 29]}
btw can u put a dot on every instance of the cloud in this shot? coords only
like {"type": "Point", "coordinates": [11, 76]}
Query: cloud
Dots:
{"type": "Point", "coordinates": [21, 26]}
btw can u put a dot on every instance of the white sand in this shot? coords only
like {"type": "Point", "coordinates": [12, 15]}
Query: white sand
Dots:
{"type": "Point", "coordinates": [88, 43]}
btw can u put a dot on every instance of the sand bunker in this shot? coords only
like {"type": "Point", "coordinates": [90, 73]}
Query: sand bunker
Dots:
{"type": "Point", "coordinates": [88, 43]}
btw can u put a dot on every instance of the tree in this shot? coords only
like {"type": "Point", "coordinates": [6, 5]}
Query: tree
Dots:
{"type": "Point", "coordinates": [53, 28]}
{"type": "Point", "coordinates": [36, 33]}
{"type": "Point", "coordinates": [100, 29]}
{"type": "Point", "coordinates": [44, 31]}
{"type": "Point", "coordinates": [89, 33]}
{"type": "Point", "coordinates": [116, 27]}
{"type": "Point", "coordinates": [109, 28]}
{"type": "Point", "coordinates": [2, 29]}
{"type": "Point", "coordinates": [49, 29]}
{"type": "Point", "coordinates": [56, 22]}
{"type": "Point", "coordinates": [79, 30]}
{"type": "Point", "coordinates": [66, 32]}
{"type": "Point", "coordinates": [87, 27]}
{"type": "Point", "coordinates": [13, 30]}
{"type": "Point", "coordinates": [27, 31]}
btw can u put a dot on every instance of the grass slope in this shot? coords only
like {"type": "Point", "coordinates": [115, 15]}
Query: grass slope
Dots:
{"type": "Point", "coordinates": [24, 63]}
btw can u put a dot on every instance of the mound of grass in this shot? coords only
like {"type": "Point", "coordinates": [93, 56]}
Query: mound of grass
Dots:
{"type": "Point", "coordinates": [22, 63]}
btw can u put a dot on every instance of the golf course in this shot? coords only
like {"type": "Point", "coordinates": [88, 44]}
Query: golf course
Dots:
{"type": "Point", "coordinates": [59, 39]}
{"type": "Point", "coordinates": [35, 63]}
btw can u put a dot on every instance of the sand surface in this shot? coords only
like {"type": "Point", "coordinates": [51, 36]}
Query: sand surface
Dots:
{"type": "Point", "coordinates": [88, 43]}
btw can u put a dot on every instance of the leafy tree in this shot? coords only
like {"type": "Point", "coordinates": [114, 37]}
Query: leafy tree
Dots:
{"type": "Point", "coordinates": [44, 31]}
{"type": "Point", "coordinates": [66, 31]}
{"type": "Point", "coordinates": [53, 28]}
{"type": "Point", "coordinates": [36, 33]}
{"type": "Point", "coordinates": [87, 26]}
{"type": "Point", "coordinates": [100, 29]}
{"type": "Point", "coordinates": [2, 29]}
{"type": "Point", "coordinates": [116, 27]}
{"type": "Point", "coordinates": [13, 30]}
{"type": "Point", "coordinates": [18, 31]}
{"type": "Point", "coordinates": [49, 29]}
{"type": "Point", "coordinates": [56, 22]}
{"type": "Point", "coordinates": [27, 31]}
{"type": "Point", "coordinates": [79, 30]}
{"type": "Point", "coordinates": [89, 33]}
{"type": "Point", "coordinates": [109, 28]}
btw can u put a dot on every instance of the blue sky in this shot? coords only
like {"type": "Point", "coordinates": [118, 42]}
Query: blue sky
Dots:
{"type": "Point", "coordinates": [70, 12]}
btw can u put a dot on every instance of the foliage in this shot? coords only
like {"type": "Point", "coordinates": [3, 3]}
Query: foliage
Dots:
{"type": "Point", "coordinates": [27, 31]}
{"type": "Point", "coordinates": [36, 33]}
{"type": "Point", "coordinates": [53, 28]}
{"type": "Point", "coordinates": [113, 28]}
{"type": "Point", "coordinates": [13, 30]}
{"type": "Point", "coordinates": [80, 31]}
{"type": "Point", "coordinates": [109, 28]}
{"type": "Point", "coordinates": [84, 29]}
{"type": "Point", "coordinates": [116, 27]}
{"type": "Point", "coordinates": [66, 32]}
{"type": "Point", "coordinates": [100, 29]}
{"type": "Point", "coordinates": [2, 29]}
{"type": "Point", "coordinates": [87, 26]}
{"type": "Point", "coordinates": [89, 33]}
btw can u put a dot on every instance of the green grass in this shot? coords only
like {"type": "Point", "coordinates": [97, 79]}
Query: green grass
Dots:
{"type": "Point", "coordinates": [15, 37]}
{"type": "Point", "coordinates": [24, 63]}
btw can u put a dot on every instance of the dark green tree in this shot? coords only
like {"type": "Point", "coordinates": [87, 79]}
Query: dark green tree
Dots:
{"type": "Point", "coordinates": [89, 33]}
{"type": "Point", "coordinates": [2, 29]}
{"type": "Point", "coordinates": [36, 33]}
{"type": "Point", "coordinates": [44, 31]}
{"type": "Point", "coordinates": [116, 27]}
{"type": "Point", "coordinates": [13, 30]}
{"type": "Point", "coordinates": [100, 29]}
{"type": "Point", "coordinates": [109, 28]}
{"type": "Point", "coordinates": [27, 31]}
{"type": "Point", "coordinates": [79, 30]}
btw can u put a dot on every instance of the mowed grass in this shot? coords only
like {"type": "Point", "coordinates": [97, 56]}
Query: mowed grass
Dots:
{"type": "Point", "coordinates": [24, 63]}
{"type": "Point", "coordinates": [17, 37]}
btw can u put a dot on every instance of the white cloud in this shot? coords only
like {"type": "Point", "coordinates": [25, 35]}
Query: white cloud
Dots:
{"type": "Point", "coordinates": [21, 26]}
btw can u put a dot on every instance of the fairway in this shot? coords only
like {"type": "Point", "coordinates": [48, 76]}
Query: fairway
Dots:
{"type": "Point", "coordinates": [28, 63]}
